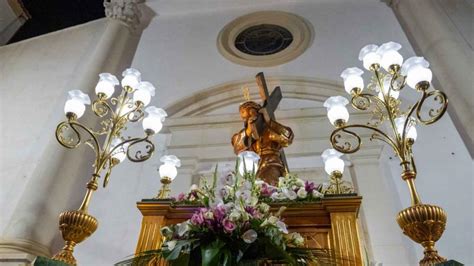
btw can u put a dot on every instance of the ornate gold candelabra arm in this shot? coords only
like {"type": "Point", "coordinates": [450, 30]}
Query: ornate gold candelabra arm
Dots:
{"type": "Point", "coordinates": [141, 154]}
{"type": "Point", "coordinates": [101, 107]}
{"type": "Point", "coordinates": [434, 114]}
{"type": "Point", "coordinates": [135, 114]}
{"type": "Point", "coordinates": [73, 142]}
{"type": "Point", "coordinates": [348, 147]}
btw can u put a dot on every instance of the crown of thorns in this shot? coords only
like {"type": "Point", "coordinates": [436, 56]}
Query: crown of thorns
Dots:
{"type": "Point", "coordinates": [250, 104]}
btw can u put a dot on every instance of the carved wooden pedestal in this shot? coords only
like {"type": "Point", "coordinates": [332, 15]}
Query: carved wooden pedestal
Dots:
{"type": "Point", "coordinates": [329, 223]}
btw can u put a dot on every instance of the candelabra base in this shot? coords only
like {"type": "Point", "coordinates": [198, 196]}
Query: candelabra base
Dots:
{"type": "Point", "coordinates": [424, 224]}
{"type": "Point", "coordinates": [75, 226]}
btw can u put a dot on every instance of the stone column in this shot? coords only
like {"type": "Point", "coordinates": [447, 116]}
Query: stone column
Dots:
{"type": "Point", "coordinates": [58, 182]}
{"type": "Point", "coordinates": [385, 239]}
{"type": "Point", "coordinates": [434, 36]}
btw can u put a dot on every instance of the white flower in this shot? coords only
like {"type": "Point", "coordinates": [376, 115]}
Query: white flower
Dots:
{"type": "Point", "coordinates": [272, 220]}
{"type": "Point", "coordinates": [194, 187]}
{"type": "Point", "coordinates": [281, 181]}
{"type": "Point", "coordinates": [166, 231]}
{"type": "Point", "coordinates": [249, 236]}
{"type": "Point", "coordinates": [263, 207]}
{"type": "Point", "coordinates": [281, 226]}
{"type": "Point", "coordinates": [234, 215]}
{"type": "Point", "coordinates": [317, 194]}
{"type": "Point", "coordinates": [302, 194]}
{"type": "Point", "coordinates": [209, 215]}
{"type": "Point", "coordinates": [183, 228]}
{"type": "Point", "coordinates": [227, 179]}
{"type": "Point", "coordinates": [290, 194]}
{"type": "Point", "coordinates": [277, 196]}
{"type": "Point", "coordinates": [171, 244]}
{"type": "Point", "coordinates": [299, 240]}
{"type": "Point", "coordinates": [296, 239]}
{"type": "Point", "coordinates": [299, 182]}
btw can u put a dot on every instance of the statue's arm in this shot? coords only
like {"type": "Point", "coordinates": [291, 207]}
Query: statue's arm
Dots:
{"type": "Point", "coordinates": [239, 141]}
{"type": "Point", "coordinates": [280, 133]}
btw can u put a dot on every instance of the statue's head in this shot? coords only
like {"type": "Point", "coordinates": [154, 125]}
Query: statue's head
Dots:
{"type": "Point", "coordinates": [249, 110]}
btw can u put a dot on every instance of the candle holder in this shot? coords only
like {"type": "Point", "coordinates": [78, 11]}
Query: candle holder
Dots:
{"type": "Point", "coordinates": [423, 223]}
{"type": "Point", "coordinates": [109, 146]}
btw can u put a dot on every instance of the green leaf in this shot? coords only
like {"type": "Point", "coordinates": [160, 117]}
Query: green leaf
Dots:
{"type": "Point", "coordinates": [175, 253]}
{"type": "Point", "coordinates": [183, 259]}
{"type": "Point", "coordinates": [210, 253]}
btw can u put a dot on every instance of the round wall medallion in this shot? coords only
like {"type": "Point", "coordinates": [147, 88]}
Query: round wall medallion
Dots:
{"type": "Point", "coordinates": [266, 38]}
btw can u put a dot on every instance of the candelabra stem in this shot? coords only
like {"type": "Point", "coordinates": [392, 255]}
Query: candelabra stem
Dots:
{"type": "Point", "coordinates": [409, 177]}
{"type": "Point", "coordinates": [91, 187]}
{"type": "Point", "coordinates": [165, 190]}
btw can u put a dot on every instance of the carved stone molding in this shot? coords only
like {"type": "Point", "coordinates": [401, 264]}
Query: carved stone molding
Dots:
{"type": "Point", "coordinates": [299, 28]}
{"type": "Point", "coordinates": [125, 11]}
{"type": "Point", "coordinates": [10, 247]}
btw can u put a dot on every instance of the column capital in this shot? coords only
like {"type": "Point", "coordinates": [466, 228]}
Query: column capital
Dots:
{"type": "Point", "coordinates": [125, 11]}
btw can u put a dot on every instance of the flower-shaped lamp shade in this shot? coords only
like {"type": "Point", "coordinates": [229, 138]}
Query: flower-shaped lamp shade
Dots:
{"type": "Point", "coordinates": [389, 55]}
{"type": "Point", "coordinates": [410, 129]}
{"type": "Point", "coordinates": [369, 56]}
{"type": "Point", "coordinates": [336, 106]}
{"type": "Point", "coordinates": [154, 120]}
{"type": "Point", "coordinates": [144, 93]}
{"type": "Point", "coordinates": [120, 153]}
{"type": "Point", "coordinates": [75, 103]}
{"type": "Point", "coordinates": [352, 79]}
{"type": "Point", "coordinates": [387, 82]}
{"type": "Point", "coordinates": [416, 70]}
{"type": "Point", "coordinates": [168, 168]}
{"type": "Point", "coordinates": [248, 162]}
{"type": "Point", "coordinates": [131, 78]}
{"type": "Point", "coordinates": [332, 161]}
{"type": "Point", "coordinates": [106, 84]}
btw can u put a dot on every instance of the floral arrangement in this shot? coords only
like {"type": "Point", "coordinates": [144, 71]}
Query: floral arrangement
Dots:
{"type": "Point", "coordinates": [289, 189]}
{"type": "Point", "coordinates": [234, 226]}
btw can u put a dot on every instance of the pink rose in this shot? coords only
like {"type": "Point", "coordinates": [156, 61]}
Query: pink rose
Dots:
{"type": "Point", "coordinates": [181, 196]}
{"type": "Point", "coordinates": [197, 218]}
{"type": "Point", "coordinates": [228, 225]}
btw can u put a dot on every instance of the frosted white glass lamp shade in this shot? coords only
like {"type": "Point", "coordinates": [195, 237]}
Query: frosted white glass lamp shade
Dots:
{"type": "Point", "coordinates": [416, 70]}
{"type": "Point", "coordinates": [121, 152]}
{"type": "Point", "coordinates": [248, 162]}
{"type": "Point", "coordinates": [389, 54]}
{"type": "Point", "coordinates": [386, 88]}
{"type": "Point", "coordinates": [352, 79]}
{"type": "Point", "coordinates": [106, 84]}
{"type": "Point", "coordinates": [168, 168]}
{"type": "Point", "coordinates": [154, 120]}
{"type": "Point", "coordinates": [332, 161]}
{"type": "Point", "coordinates": [336, 107]}
{"type": "Point", "coordinates": [369, 56]}
{"type": "Point", "coordinates": [131, 78]}
{"type": "Point", "coordinates": [75, 103]}
{"type": "Point", "coordinates": [144, 93]}
{"type": "Point", "coordinates": [410, 130]}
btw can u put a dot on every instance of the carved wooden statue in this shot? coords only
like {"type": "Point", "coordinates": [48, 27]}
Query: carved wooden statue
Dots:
{"type": "Point", "coordinates": [263, 135]}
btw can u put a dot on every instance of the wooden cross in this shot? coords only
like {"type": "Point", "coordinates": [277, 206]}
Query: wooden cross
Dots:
{"type": "Point", "coordinates": [270, 104]}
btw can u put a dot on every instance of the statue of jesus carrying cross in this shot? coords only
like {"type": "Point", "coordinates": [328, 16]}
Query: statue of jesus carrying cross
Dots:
{"type": "Point", "coordinates": [263, 135]}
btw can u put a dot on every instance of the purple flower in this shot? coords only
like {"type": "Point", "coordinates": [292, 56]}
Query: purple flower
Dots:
{"type": "Point", "coordinates": [181, 196]}
{"type": "Point", "coordinates": [308, 186]}
{"type": "Point", "coordinates": [219, 212]}
{"type": "Point", "coordinates": [252, 211]}
{"type": "Point", "coordinates": [266, 190]}
{"type": "Point", "coordinates": [197, 218]}
{"type": "Point", "coordinates": [228, 225]}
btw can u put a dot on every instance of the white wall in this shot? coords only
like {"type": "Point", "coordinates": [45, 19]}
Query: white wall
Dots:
{"type": "Point", "coordinates": [35, 76]}
{"type": "Point", "coordinates": [177, 53]}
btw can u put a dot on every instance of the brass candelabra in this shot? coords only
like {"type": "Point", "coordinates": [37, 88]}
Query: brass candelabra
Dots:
{"type": "Point", "coordinates": [109, 146]}
{"type": "Point", "coordinates": [423, 223]}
